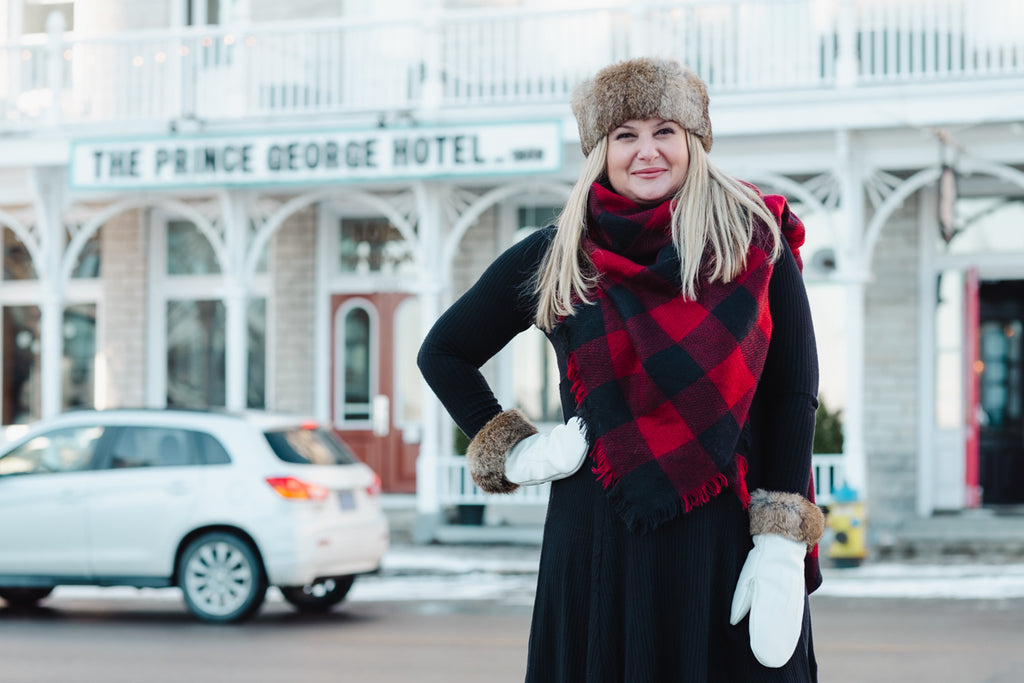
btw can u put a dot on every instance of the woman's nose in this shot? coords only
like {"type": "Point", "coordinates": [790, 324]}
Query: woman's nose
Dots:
{"type": "Point", "coordinates": [648, 150]}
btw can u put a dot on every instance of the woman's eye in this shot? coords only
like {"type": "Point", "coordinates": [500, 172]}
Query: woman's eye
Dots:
{"type": "Point", "coordinates": [623, 136]}
{"type": "Point", "coordinates": [666, 131]}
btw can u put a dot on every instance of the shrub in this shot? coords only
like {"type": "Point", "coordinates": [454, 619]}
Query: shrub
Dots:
{"type": "Point", "coordinates": [828, 429]}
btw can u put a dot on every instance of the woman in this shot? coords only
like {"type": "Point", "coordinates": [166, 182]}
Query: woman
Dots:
{"type": "Point", "coordinates": [684, 340]}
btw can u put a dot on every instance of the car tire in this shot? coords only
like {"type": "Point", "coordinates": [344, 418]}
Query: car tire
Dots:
{"type": "Point", "coordinates": [319, 596]}
{"type": "Point", "coordinates": [221, 578]}
{"type": "Point", "coordinates": [21, 598]}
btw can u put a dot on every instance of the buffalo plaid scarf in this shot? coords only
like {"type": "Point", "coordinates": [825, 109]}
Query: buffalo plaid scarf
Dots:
{"type": "Point", "coordinates": [664, 384]}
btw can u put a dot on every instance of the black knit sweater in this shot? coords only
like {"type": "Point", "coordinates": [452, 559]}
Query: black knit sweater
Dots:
{"type": "Point", "coordinates": [501, 305]}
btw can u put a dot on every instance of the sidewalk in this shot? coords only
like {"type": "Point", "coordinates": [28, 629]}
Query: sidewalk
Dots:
{"type": "Point", "coordinates": [486, 561]}
{"type": "Point", "coordinates": [488, 568]}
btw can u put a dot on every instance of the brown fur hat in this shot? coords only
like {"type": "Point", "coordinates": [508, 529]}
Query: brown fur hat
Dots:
{"type": "Point", "coordinates": [642, 88]}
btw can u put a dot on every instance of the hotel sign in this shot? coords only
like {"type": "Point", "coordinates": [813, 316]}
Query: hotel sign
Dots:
{"type": "Point", "coordinates": [378, 154]}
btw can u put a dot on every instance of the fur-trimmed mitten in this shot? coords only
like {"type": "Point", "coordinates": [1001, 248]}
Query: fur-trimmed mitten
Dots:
{"type": "Point", "coordinates": [771, 584]}
{"type": "Point", "coordinates": [508, 452]}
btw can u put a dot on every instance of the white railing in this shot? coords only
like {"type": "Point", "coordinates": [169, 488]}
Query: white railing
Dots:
{"type": "Point", "coordinates": [449, 59]}
{"type": "Point", "coordinates": [456, 487]}
{"type": "Point", "coordinates": [829, 476]}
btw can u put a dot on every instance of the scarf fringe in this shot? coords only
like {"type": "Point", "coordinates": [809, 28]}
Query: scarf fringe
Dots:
{"type": "Point", "coordinates": [602, 468]}
{"type": "Point", "coordinates": [739, 486]}
{"type": "Point", "coordinates": [572, 371]}
{"type": "Point", "coordinates": [708, 490]}
{"type": "Point", "coordinates": [642, 523]}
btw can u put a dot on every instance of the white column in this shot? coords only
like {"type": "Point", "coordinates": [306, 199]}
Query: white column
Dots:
{"type": "Point", "coordinates": [236, 299]}
{"type": "Point", "coordinates": [430, 235]}
{"type": "Point", "coordinates": [852, 270]}
{"type": "Point", "coordinates": [48, 198]}
{"type": "Point", "coordinates": [854, 457]}
{"type": "Point", "coordinates": [926, 343]}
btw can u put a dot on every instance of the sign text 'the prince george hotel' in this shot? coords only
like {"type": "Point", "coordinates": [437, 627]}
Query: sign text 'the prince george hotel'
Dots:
{"type": "Point", "coordinates": [315, 157]}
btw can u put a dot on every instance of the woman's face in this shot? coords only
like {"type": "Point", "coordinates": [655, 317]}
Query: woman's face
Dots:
{"type": "Point", "coordinates": [647, 159]}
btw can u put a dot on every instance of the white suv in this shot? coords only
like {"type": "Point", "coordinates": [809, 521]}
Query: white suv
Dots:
{"type": "Point", "coordinates": [222, 505]}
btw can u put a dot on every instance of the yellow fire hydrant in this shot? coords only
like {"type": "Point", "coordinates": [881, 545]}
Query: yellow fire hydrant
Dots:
{"type": "Point", "coordinates": [846, 520]}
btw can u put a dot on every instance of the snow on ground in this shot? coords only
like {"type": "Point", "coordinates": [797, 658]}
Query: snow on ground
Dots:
{"type": "Point", "coordinates": [508, 574]}
{"type": "Point", "coordinates": [964, 581]}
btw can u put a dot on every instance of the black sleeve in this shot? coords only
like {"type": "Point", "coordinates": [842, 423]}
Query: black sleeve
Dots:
{"type": "Point", "coordinates": [782, 414]}
{"type": "Point", "coordinates": [497, 308]}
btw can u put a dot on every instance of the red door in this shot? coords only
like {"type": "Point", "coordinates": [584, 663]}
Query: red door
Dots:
{"type": "Point", "coordinates": [972, 467]}
{"type": "Point", "coordinates": [373, 398]}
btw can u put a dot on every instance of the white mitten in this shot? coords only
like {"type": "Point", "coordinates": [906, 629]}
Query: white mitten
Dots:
{"type": "Point", "coordinates": [547, 457]}
{"type": "Point", "coordinates": [771, 589]}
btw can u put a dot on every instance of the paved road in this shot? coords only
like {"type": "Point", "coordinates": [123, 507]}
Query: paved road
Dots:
{"type": "Point", "coordinates": [152, 640]}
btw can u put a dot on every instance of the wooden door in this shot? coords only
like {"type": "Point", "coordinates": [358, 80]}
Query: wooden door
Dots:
{"type": "Point", "coordinates": [1001, 392]}
{"type": "Point", "coordinates": [366, 390]}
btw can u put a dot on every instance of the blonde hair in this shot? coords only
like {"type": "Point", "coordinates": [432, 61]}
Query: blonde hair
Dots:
{"type": "Point", "coordinates": [713, 215]}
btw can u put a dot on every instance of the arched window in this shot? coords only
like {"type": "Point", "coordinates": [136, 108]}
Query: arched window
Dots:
{"type": "Point", "coordinates": [189, 287]}
{"type": "Point", "coordinates": [356, 362]}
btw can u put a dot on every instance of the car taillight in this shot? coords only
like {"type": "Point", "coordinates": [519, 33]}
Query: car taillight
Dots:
{"type": "Point", "coordinates": [290, 487]}
{"type": "Point", "coordinates": [375, 487]}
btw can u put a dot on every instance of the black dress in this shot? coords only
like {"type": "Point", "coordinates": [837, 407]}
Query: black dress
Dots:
{"type": "Point", "coordinates": [613, 606]}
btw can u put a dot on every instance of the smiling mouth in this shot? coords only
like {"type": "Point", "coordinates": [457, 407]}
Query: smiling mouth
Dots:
{"type": "Point", "coordinates": [649, 172]}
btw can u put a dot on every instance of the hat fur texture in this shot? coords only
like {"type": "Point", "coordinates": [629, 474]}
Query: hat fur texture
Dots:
{"type": "Point", "coordinates": [643, 88]}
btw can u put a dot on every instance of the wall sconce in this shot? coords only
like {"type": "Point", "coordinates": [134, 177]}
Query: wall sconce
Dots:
{"type": "Point", "coordinates": [947, 202]}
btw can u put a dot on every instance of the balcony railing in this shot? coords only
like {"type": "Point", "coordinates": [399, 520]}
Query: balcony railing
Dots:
{"type": "Point", "coordinates": [480, 58]}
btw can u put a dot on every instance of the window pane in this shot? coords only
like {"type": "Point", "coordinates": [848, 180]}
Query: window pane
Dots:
{"type": "Point", "coordinates": [63, 450]}
{"type": "Point", "coordinates": [257, 380]}
{"type": "Point", "coordinates": [372, 245]}
{"type": "Point", "coordinates": [151, 447]}
{"type": "Point", "coordinates": [188, 250]}
{"type": "Point", "coordinates": [309, 447]}
{"type": "Point", "coordinates": [36, 12]}
{"type": "Point", "coordinates": [195, 353]}
{"type": "Point", "coordinates": [535, 217]}
{"type": "Point", "coordinates": [17, 262]}
{"type": "Point", "coordinates": [21, 379]}
{"type": "Point", "coordinates": [79, 355]}
{"type": "Point", "coordinates": [987, 225]}
{"type": "Point", "coordinates": [88, 264]}
{"type": "Point", "coordinates": [357, 365]}
{"type": "Point", "coordinates": [536, 377]}
{"type": "Point", "coordinates": [212, 12]}
{"type": "Point", "coordinates": [211, 451]}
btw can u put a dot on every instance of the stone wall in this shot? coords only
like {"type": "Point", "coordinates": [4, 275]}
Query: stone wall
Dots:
{"type": "Point", "coordinates": [293, 250]}
{"type": "Point", "coordinates": [890, 367]}
{"type": "Point", "coordinates": [121, 323]}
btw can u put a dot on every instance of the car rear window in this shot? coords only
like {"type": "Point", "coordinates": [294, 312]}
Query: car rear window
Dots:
{"type": "Point", "coordinates": [310, 447]}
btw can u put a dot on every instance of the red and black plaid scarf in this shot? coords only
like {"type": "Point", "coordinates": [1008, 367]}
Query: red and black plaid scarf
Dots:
{"type": "Point", "coordinates": [664, 384]}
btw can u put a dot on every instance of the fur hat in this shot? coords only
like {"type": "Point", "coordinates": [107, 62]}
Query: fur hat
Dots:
{"type": "Point", "coordinates": [642, 88]}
